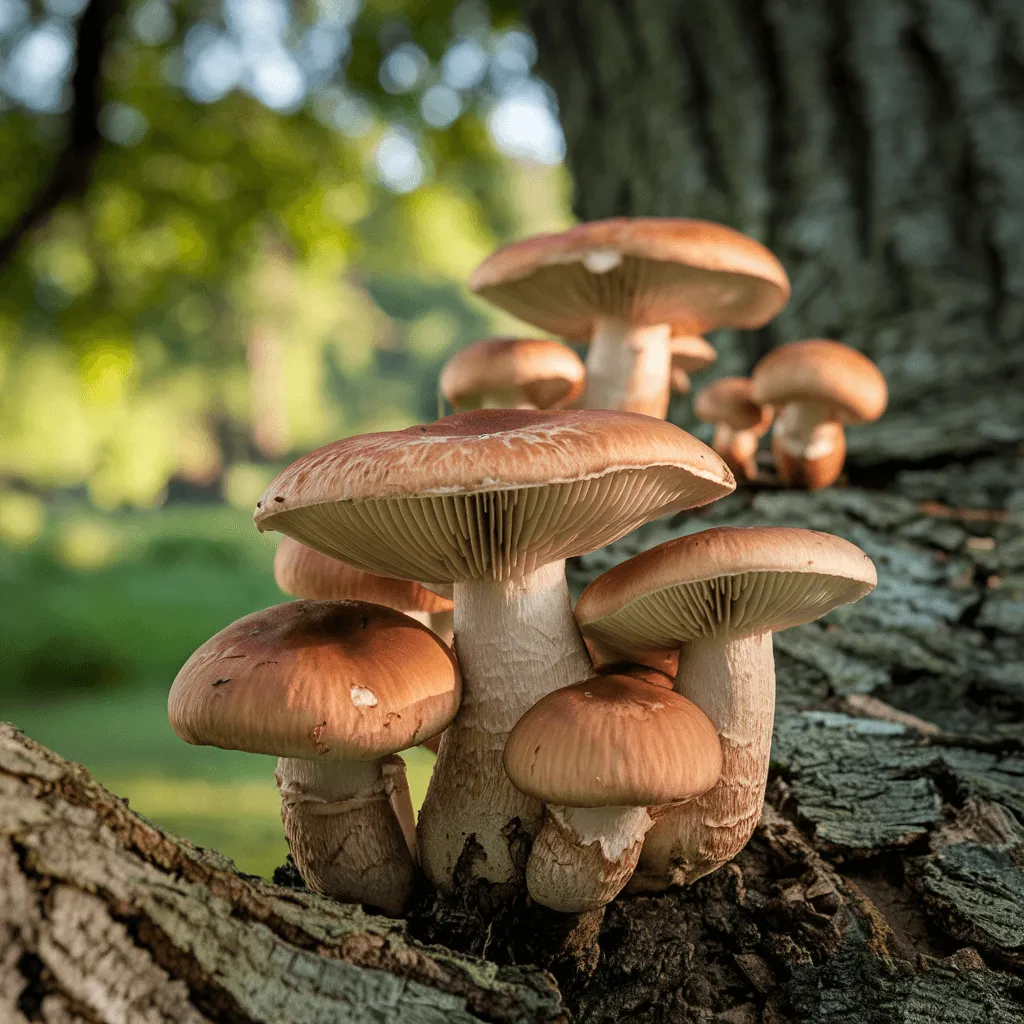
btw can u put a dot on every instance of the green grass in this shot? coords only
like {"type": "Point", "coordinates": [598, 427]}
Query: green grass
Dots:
{"type": "Point", "coordinates": [97, 616]}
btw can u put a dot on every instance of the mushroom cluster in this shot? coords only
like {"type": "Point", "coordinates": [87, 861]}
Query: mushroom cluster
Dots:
{"type": "Point", "coordinates": [640, 293]}
{"type": "Point", "coordinates": [623, 744]}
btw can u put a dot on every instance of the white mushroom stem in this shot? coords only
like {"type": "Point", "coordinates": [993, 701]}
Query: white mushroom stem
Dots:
{"type": "Point", "coordinates": [807, 429]}
{"type": "Point", "coordinates": [583, 856]}
{"type": "Point", "coordinates": [628, 368]}
{"type": "Point", "coordinates": [342, 830]}
{"type": "Point", "coordinates": [733, 683]}
{"type": "Point", "coordinates": [738, 448]}
{"type": "Point", "coordinates": [516, 640]}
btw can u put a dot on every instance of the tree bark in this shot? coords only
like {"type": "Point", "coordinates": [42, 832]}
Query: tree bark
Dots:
{"type": "Point", "coordinates": [875, 145]}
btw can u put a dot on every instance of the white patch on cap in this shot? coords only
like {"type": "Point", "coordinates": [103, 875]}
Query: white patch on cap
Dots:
{"type": "Point", "coordinates": [363, 698]}
{"type": "Point", "coordinates": [601, 261]}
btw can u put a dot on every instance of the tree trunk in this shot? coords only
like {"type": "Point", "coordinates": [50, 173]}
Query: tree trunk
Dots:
{"type": "Point", "coordinates": [876, 146]}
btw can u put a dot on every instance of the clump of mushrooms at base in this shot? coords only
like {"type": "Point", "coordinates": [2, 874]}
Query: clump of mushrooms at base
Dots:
{"type": "Point", "coordinates": [563, 766]}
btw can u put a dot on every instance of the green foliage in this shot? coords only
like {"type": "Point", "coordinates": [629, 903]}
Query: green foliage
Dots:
{"type": "Point", "coordinates": [238, 283]}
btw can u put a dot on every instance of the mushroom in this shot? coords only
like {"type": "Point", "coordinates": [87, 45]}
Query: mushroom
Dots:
{"type": "Point", "coordinates": [816, 386]}
{"type": "Point", "coordinates": [740, 422]}
{"type": "Point", "coordinates": [492, 501]}
{"type": "Point", "coordinates": [300, 571]}
{"type": "Point", "coordinates": [718, 596]}
{"type": "Point", "coordinates": [690, 353]}
{"type": "Point", "coordinates": [334, 689]}
{"type": "Point", "coordinates": [624, 286]}
{"type": "Point", "coordinates": [599, 754]}
{"type": "Point", "coordinates": [512, 373]}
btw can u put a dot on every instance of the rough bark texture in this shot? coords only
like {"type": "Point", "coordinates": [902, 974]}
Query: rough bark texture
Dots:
{"type": "Point", "coordinates": [106, 918]}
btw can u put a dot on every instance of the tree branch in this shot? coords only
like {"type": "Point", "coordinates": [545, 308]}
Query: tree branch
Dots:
{"type": "Point", "coordinates": [72, 169]}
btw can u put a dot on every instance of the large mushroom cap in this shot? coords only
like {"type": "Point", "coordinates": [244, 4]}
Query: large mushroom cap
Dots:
{"type": "Point", "coordinates": [491, 494]}
{"type": "Point", "coordinates": [822, 371]}
{"type": "Point", "coordinates": [335, 680]}
{"type": "Point", "coordinates": [613, 741]}
{"type": "Point", "coordinates": [729, 400]}
{"type": "Point", "coordinates": [302, 572]}
{"type": "Point", "coordinates": [691, 274]}
{"type": "Point", "coordinates": [547, 374]}
{"type": "Point", "coordinates": [728, 582]}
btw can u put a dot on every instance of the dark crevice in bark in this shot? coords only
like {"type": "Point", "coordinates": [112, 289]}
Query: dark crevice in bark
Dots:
{"type": "Point", "coordinates": [697, 106]}
{"type": "Point", "coordinates": [853, 139]}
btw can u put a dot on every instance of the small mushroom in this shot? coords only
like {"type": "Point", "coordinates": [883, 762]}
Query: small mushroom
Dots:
{"type": "Point", "coordinates": [512, 373]}
{"type": "Point", "coordinates": [301, 571]}
{"type": "Point", "coordinates": [816, 387]}
{"type": "Point", "coordinates": [334, 689]}
{"type": "Point", "coordinates": [599, 754]}
{"type": "Point", "coordinates": [690, 354]}
{"type": "Point", "coordinates": [740, 422]}
{"type": "Point", "coordinates": [717, 596]}
{"type": "Point", "coordinates": [493, 501]}
{"type": "Point", "coordinates": [624, 286]}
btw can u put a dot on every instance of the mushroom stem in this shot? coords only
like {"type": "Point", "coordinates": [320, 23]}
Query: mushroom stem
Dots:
{"type": "Point", "coordinates": [628, 368]}
{"type": "Point", "coordinates": [583, 856]}
{"type": "Point", "coordinates": [516, 640]}
{"type": "Point", "coordinates": [342, 830]}
{"type": "Point", "coordinates": [809, 445]}
{"type": "Point", "coordinates": [733, 683]}
{"type": "Point", "coordinates": [738, 448]}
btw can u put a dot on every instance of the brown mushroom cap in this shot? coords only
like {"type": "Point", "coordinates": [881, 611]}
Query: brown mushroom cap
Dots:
{"type": "Point", "coordinates": [547, 374]}
{"type": "Point", "coordinates": [334, 680]}
{"type": "Point", "coordinates": [691, 274]}
{"type": "Point", "coordinates": [729, 400]}
{"type": "Point", "coordinates": [822, 371]}
{"type": "Point", "coordinates": [302, 572]}
{"type": "Point", "coordinates": [613, 741]}
{"type": "Point", "coordinates": [491, 494]}
{"type": "Point", "coordinates": [728, 582]}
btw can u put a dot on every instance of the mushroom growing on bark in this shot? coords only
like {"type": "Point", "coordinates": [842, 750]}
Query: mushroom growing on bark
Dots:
{"type": "Point", "coordinates": [718, 596]}
{"type": "Point", "coordinates": [740, 422]}
{"type": "Point", "coordinates": [512, 373]}
{"type": "Point", "coordinates": [816, 386]}
{"type": "Point", "coordinates": [492, 501]}
{"type": "Point", "coordinates": [624, 286]}
{"type": "Point", "coordinates": [598, 754]}
{"type": "Point", "coordinates": [334, 689]}
{"type": "Point", "coordinates": [690, 353]}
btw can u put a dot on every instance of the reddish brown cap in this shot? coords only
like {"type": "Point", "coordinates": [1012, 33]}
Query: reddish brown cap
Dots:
{"type": "Point", "coordinates": [546, 374]}
{"type": "Point", "coordinates": [729, 400]}
{"type": "Point", "coordinates": [613, 741]}
{"type": "Point", "coordinates": [728, 582]}
{"type": "Point", "coordinates": [335, 680]}
{"type": "Point", "coordinates": [822, 371]}
{"type": "Point", "coordinates": [491, 494]}
{"type": "Point", "coordinates": [302, 572]}
{"type": "Point", "coordinates": [692, 274]}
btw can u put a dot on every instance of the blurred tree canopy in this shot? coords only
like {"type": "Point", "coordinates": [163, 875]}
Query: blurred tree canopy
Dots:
{"type": "Point", "coordinates": [234, 230]}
